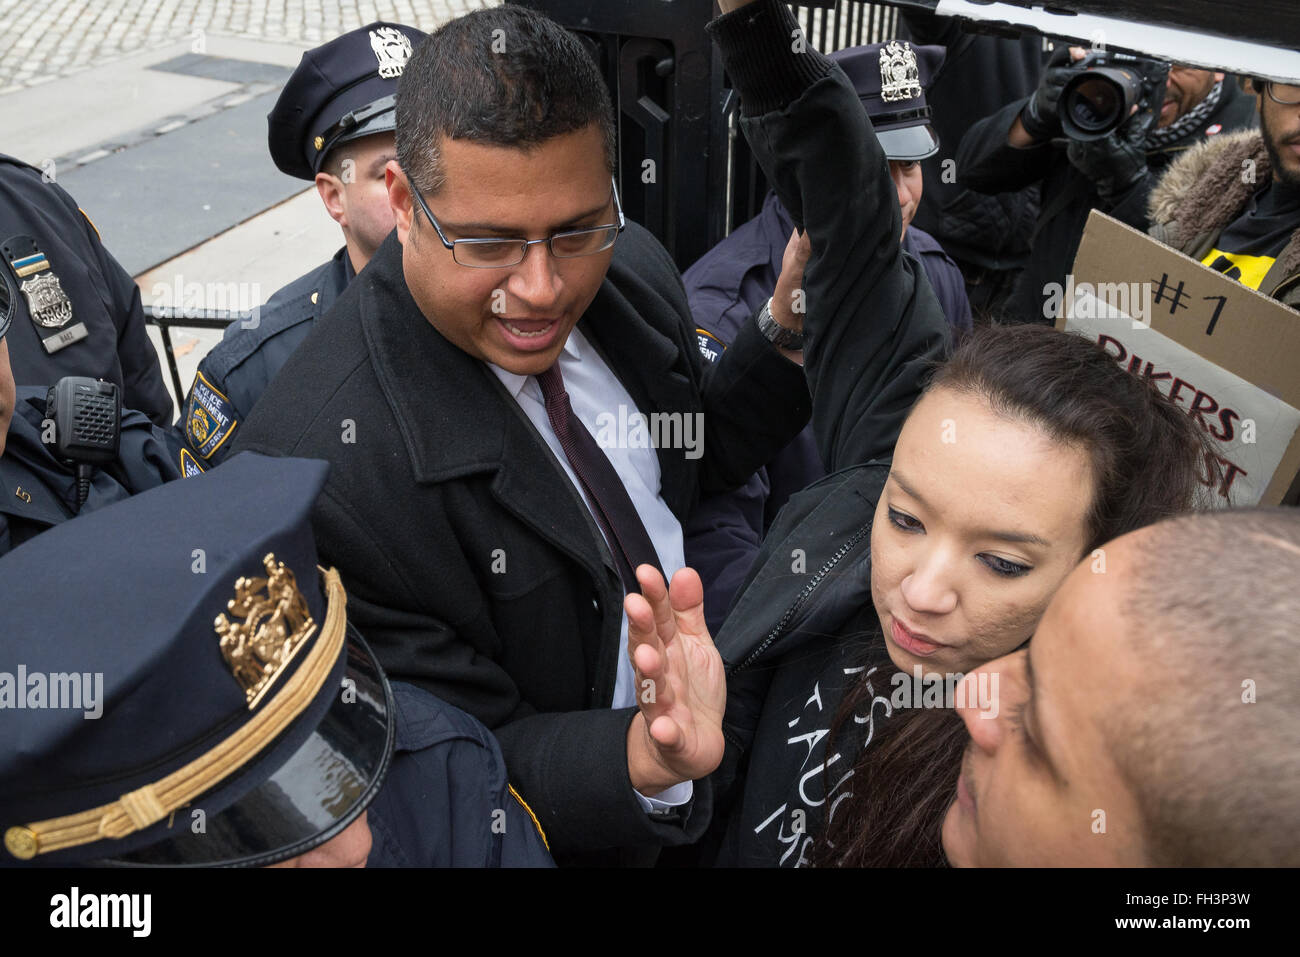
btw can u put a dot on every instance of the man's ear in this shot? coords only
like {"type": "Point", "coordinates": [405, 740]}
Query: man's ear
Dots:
{"type": "Point", "coordinates": [400, 199]}
{"type": "Point", "coordinates": [331, 194]}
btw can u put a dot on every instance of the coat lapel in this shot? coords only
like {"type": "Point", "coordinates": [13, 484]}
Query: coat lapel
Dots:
{"type": "Point", "coordinates": [457, 420]}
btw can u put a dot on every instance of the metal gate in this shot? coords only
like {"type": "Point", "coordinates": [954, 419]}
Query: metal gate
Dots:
{"type": "Point", "coordinates": [685, 171]}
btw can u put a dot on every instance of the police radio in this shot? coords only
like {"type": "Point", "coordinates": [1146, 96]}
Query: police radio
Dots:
{"type": "Point", "coordinates": [87, 417]}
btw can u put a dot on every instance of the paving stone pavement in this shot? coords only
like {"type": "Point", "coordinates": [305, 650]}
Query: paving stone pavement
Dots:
{"type": "Point", "coordinates": [42, 40]}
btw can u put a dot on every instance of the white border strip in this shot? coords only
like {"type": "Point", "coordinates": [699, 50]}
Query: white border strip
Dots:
{"type": "Point", "coordinates": [1179, 46]}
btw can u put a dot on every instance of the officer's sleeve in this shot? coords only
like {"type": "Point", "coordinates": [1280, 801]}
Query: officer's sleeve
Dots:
{"type": "Point", "coordinates": [722, 536]}
{"type": "Point", "coordinates": [527, 846]}
{"type": "Point", "coordinates": [145, 458]}
{"type": "Point", "coordinates": [871, 329]}
{"type": "Point", "coordinates": [203, 436]}
{"type": "Point", "coordinates": [142, 376]}
{"type": "Point", "coordinates": [754, 400]}
{"type": "Point", "coordinates": [446, 801]}
{"type": "Point", "coordinates": [723, 532]}
{"type": "Point", "coordinates": [946, 280]}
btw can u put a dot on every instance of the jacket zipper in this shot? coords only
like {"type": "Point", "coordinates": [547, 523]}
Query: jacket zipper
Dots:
{"type": "Point", "coordinates": [803, 596]}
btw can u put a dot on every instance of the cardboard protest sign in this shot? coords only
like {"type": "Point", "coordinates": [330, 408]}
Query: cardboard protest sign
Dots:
{"type": "Point", "coordinates": [1223, 352]}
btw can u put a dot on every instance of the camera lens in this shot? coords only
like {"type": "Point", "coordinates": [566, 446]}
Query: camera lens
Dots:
{"type": "Point", "coordinates": [1095, 104]}
{"type": "Point", "coordinates": [1097, 100]}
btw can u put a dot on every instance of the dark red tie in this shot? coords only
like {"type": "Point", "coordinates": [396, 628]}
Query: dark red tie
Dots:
{"type": "Point", "coordinates": [612, 506]}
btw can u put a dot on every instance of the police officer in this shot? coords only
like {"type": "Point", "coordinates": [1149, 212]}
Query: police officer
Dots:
{"type": "Point", "coordinates": [735, 279]}
{"type": "Point", "coordinates": [227, 713]}
{"type": "Point", "coordinates": [332, 125]}
{"type": "Point", "coordinates": [73, 308]}
{"type": "Point", "coordinates": [37, 490]}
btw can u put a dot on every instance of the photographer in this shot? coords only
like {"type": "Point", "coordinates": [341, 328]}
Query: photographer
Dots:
{"type": "Point", "coordinates": [1025, 143]}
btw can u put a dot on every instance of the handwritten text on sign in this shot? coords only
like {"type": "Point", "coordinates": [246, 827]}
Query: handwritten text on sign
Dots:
{"type": "Point", "coordinates": [1252, 428]}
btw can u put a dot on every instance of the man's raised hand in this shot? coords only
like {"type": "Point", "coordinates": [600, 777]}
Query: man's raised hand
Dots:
{"type": "Point", "coordinates": [680, 685]}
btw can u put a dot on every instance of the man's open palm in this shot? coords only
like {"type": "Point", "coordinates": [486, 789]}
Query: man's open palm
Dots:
{"type": "Point", "coordinates": [681, 688]}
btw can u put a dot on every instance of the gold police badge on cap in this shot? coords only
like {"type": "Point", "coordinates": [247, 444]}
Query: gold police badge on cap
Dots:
{"type": "Point", "coordinates": [272, 625]}
{"type": "Point", "coordinates": [392, 49]}
{"type": "Point", "coordinates": [900, 78]}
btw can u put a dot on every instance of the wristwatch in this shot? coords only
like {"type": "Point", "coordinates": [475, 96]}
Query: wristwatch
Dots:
{"type": "Point", "coordinates": [775, 333]}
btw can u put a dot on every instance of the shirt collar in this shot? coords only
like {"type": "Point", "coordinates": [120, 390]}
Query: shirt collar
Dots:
{"type": "Point", "coordinates": [573, 348]}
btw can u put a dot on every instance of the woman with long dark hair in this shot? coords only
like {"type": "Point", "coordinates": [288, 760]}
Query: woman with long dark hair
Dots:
{"type": "Point", "coordinates": [880, 586]}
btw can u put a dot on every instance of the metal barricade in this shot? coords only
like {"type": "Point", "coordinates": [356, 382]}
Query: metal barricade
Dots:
{"type": "Point", "coordinates": [162, 317]}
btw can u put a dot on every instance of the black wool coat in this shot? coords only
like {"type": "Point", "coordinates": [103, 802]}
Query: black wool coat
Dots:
{"type": "Point", "coordinates": [473, 568]}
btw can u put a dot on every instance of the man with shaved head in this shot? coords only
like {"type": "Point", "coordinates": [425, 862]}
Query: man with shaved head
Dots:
{"type": "Point", "coordinates": [1153, 720]}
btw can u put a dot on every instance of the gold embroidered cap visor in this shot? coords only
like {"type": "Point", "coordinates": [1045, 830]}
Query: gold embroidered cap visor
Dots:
{"type": "Point", "coordinates": [308, 785]}
{"type": "Point", "coordinates": [314, 791]}
{"type": "Point", "coordinates": [304, 760]}
{"type": "Point", "coordinates": [201, 695]}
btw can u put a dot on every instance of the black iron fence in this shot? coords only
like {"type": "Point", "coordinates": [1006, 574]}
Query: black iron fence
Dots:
{"type": "Point", "coordinates": [832, 25]}
{"type": "Point", "coordinates": [685, 172]}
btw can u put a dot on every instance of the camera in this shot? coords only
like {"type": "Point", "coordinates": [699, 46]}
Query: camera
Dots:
{"type": "Point", "coordinates": [1099, 98]}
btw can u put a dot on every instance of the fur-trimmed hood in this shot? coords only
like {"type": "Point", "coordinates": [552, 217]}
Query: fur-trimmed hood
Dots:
{"type": "Point", "coordinates": [1204, 191]}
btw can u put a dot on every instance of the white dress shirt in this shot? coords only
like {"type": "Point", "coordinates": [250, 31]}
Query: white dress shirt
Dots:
{"type": "Point", "coordinates": [594, 389]}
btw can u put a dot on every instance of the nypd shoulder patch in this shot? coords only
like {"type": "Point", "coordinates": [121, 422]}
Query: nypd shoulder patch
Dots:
{"type": "Point", "coordinates": [711, 347]}
{"type": "Point", "coordinates": [189, 465]}
{"type": "Point", "coordinates": [209, 417]}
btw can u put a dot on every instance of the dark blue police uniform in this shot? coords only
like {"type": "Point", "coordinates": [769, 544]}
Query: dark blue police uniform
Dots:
{"type": "Point", "coordinates": [74, 310]}
{"type": "Point", "coordinates": [340, 92]}
{"type": "Point", "coordinates": [232, 377]}
{"type": "Point", "coordinates": [729, 284]}
{"type": "Point", "coordinates": [238, 718]}
{"type": "Point", "coordinates": [447, 802]}
{"type": "Point", "coordinates": [37, 491]}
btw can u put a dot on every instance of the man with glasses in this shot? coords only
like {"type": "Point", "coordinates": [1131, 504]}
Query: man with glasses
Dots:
{"type": "Point", "coordinates": [1234, 203]}
{"type": "Point", "coordinates": [493, 492]}
{"type": "Point", "coordinates": [517, 417]}
{"type": "Point", "coordinates": [488, 253]}
{"type": "Point", "coordinates": [332, 125]}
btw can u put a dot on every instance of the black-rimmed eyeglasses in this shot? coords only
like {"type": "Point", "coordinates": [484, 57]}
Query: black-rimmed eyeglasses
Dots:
{"type": "Point", "coordinates": [1288, 94]}
{"type": "Point", "coordinates": [502, 253]}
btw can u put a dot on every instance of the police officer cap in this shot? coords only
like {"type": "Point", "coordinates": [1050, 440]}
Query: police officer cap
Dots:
{"type": "Point", "coordinates": [891, 80]}
{"type": "Point", "coordinates": [340, 91]}
{"type": "Point", "coordinates": [172, 682]}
